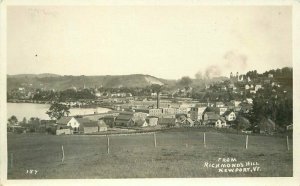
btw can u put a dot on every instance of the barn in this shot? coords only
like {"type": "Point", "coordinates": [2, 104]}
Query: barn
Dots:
{"type": "Point", "coordinates": [124, 120]}
{"type": "Point", "coordinates": [108, 120]}
{"type": "Point", "coordinates": [87, 126]}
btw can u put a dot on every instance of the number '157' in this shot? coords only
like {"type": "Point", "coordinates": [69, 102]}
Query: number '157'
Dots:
{"type": "Point", "coordinates": [31, 171]}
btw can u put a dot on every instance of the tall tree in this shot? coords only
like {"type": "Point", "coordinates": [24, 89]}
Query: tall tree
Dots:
{"type": "Point", "coordinates": [57, 110]}
{"type": "Point", "coordinates": [24, 121]}
{"type": "Point", "coordinates": [185, 82]}
{"type": "Point", "coordinates": [12, 120]}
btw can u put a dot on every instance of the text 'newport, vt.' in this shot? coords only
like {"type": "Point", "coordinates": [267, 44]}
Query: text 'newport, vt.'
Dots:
{"type": "Point", "coordinates": [231, 165]}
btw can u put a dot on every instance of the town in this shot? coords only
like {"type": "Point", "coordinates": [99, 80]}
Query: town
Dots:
{"type": "Point", "coordinates": [249, 103]}
{"type": "Point", "coordinates": [149, 90]}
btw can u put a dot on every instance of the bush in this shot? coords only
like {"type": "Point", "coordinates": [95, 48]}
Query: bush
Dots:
{"type": "Point", "coordinates": [51, 130]}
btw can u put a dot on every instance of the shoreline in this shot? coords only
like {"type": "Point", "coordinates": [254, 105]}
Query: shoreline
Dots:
{"type": "Point", "coordinates": [49, 103]}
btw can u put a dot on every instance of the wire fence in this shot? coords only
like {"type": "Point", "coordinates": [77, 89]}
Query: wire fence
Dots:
{"type": "Point", "coordinates": [44, 150]}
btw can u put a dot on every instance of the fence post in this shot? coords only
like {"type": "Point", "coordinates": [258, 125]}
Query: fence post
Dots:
{"type": "Point", "coordinates": [11, 160]}
{"type": "Point", "coordinates": [63, 154]}
{"type": "Point", "coordinates": [154, 136]}
{"type": "Point", "coordinates": [107, 145]}
{"type": "Point", "coordinates": [204, 140]}
{"type": "Point", "coordinates": [246, 142]}
{"type": "Point", "coordinates": [287, 143]}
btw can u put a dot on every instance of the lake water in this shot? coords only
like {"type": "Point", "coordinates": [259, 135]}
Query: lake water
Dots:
{"type": "Point", "coordinates": [28, 110]}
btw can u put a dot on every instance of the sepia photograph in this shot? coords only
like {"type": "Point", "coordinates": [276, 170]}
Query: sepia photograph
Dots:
{"type": "Point", "coordinates": [148, 91]}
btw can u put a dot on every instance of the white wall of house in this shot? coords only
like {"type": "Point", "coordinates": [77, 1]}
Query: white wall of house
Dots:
{"type": "Point", "coordinates": [73, 123]}
{"type": "Point", "coordinates": [101, 129]}
{"type": "Point", "coordinates": [220, 124]}
{"type": "Point", "coordinates": [153, 121]}
{"type": "Point", "coordinates": [87, 130]}
{"type": "Point", "coordinates": [155, 112]}
{"type": "Point", "coordinates": [231, 116]}
{"type": "Point", "coordinates": [200, 112]}
{"type": "Point", "coordinates": [63, 131]}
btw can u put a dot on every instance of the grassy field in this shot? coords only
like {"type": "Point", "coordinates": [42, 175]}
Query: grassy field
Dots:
{"type": "Point", "coordinates": [178, 154]}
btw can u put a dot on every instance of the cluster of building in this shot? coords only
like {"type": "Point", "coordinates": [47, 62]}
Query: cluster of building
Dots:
{"type": "Point", "coordinates": [216, 114]}
{"type": "Point", "coordinates": [151, 111]}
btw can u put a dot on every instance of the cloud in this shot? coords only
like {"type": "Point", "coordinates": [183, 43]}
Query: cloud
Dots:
{"type": "Point", "coordinates": [233, 61]}
{"type": "Point", "coordinates": [212, 71]}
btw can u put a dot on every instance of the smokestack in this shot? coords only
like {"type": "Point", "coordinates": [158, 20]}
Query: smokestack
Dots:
{"type": "Point", "coordinates": [157, 100]}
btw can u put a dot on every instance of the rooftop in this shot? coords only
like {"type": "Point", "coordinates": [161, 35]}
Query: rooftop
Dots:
{"type": "Point", "coordinates": [64, 120]}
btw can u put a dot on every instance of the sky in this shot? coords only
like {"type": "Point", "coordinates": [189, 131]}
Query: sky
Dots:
{"type": "Point", "coordinates": [164, 41]}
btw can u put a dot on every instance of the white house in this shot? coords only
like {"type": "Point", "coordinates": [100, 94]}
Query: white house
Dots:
{"type": "Point", "coordinates": [77, 124]}
{"type": "Point", "coordinates": [230, 116]}
{"type": "Point", "coordinates": [220, 123]}
{"type": "Point", "coordinates": [68, 121]}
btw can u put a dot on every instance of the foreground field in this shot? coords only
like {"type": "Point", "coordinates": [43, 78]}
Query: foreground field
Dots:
{"type": "Point", "coordinates": [177, 154]}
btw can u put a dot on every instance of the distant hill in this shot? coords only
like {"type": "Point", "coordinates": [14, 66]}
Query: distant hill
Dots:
{"type": "Point", "coordinates": [33, 75]}
{"type": "Point", "coordinates": [57, 82]}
